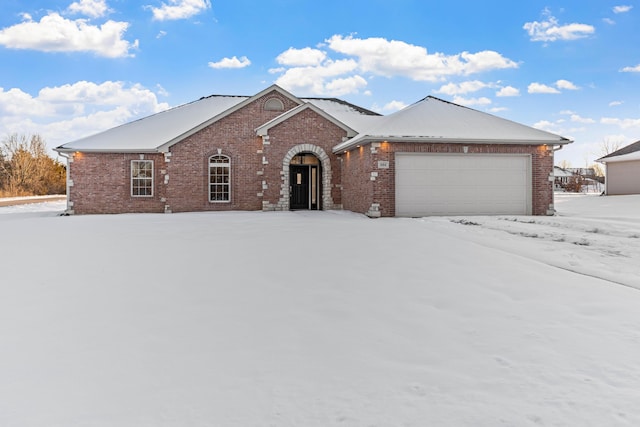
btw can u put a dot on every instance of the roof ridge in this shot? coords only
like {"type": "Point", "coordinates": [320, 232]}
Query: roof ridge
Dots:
{"type": "Point", "coordinates": [347, 103]}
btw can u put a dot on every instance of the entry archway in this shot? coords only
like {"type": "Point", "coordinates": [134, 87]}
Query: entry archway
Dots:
{"type": "Point", "coordinates": [325, 199]}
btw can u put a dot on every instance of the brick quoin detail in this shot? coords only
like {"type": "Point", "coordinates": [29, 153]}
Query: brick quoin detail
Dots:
{"type": "Point", "coordinates": [259, 172]}
{"type": "Point", "coordinates": [101, 181]}
{"type": "Point", "coordinates": [361, 193]}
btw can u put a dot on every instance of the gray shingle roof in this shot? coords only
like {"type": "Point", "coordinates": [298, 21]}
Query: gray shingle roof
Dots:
{"type": "Point", "coordinates": [629, 152]}
{"type": "Point", "coordinates": [429, 120]}
{"type": "Point", "coordinates": [435, 120]}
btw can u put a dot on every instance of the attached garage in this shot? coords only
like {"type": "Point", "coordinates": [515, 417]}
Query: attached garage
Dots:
{"type": "Point", "coordinates": [462, 184]}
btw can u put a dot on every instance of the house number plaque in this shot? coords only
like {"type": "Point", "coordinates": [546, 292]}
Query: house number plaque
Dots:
{"type": "Point", "coordinates": [383, 164]}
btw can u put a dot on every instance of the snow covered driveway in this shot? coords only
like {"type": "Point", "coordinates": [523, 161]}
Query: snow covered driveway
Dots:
{"type": "Point", "coordinates": [320, 319]}
{"type": "Point", "coordinates": [591, 235]}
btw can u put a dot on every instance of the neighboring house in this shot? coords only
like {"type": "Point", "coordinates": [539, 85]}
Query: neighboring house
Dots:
{"type": "Point", "coordinates": [622, 170]}
{"type": "Point", "coordinates": [562, 177]}
{"type": "Point", "coordinates": [275, 151]}
{"type": "Point", "coordinates": [577, 180]}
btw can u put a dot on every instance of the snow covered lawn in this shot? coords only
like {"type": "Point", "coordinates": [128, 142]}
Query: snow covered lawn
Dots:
{"type": "Point", "coordinates": [321, 318]}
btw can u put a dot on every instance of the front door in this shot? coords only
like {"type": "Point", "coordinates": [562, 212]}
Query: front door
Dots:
{"type": "Point", "coordinates": [303, 180]}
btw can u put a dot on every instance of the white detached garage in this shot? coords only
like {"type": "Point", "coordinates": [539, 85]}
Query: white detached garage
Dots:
{"type": "Point", "coordinates": [439, 158]}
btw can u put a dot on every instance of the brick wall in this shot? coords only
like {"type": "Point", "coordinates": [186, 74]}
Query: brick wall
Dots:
{"type": "Point", "coordinates": [358, 164]}
{"type": "Point", "coordinates": [306, 127]}
{"type": "Point", "coordinates": [358, 189]}
{"type": "Point", "coordinates": [234, 136]}
{"type": "Point", "coordinates": [102, 184]}
{"type": "Point", "coordinates": [102, 180]}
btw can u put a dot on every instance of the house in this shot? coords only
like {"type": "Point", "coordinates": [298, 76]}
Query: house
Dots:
{"type": "Point", "coordinates": [275, 151]}
{"type": "Point", "coordinates": [563, 177]}
{"type": "Point", "coordinates": [622, 170]}
{"type": "Point", "coordinates": [582, 180]}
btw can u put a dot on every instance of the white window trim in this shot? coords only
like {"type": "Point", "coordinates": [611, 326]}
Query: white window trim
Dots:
{"type": "Point", "coordinates": [152, 178]}
{"type": "Point", "coordinates": [227, 165]}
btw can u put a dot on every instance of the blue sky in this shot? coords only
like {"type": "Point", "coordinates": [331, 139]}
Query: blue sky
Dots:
{"type": "Point", "coordinates": [73, 68]}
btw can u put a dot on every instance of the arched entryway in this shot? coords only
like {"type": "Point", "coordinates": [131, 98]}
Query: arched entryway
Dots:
{"type": "Point", "coordinates": [306, 173]}
{"type": "Point", "coordinates": [304, 182]}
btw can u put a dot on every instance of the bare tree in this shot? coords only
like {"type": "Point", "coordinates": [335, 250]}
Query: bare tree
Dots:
{"type": "Point", "coordinates": [565, 164]}
{"type": "Point", "coordinates": [608, 146]}
{"type": "Point", "coordinates": [26, 169]}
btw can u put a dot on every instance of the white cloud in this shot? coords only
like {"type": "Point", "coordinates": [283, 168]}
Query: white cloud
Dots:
{"type": "Point", "coordinates": [550, 30]}
{"type": "Point", "coordinates": [541, 88]}
{"type": "Point", "coordinates": [576, 118]}
{"type": "Point", "coordinates": [313, 70]}
{"type": "Point", "coordinates": [609, 21]}
{"type": "Point", "coordinates": [497, 109]}
{"type": "Point", "coordinates": [161, 34]}
{"type": "Point", "coordinates": [508, 91]}
{"type": "Point", "coordinates": [635, 69]}
{"type": "Point", "coordinates": [463, 88]}
{"type": "Point", "coordinates": [343, 86]}
{"type": "Point", "coordinates": [57, 34]}
{"type": "Point", "coordinates": [615, 103]}
{"type": "Point", "coordinates": [91, 8]}
{"type": "Point", "coordinates": [622, 123]}
{"type": "Point", "coordinates": [301, 57]}
{"type": "Point", "coordinates": [393, 106]}
{"type": "Point", "coordinates": [622, 9]}
{"type": "Point", "coordinates": [566, 84]}
{"type": "Point", "coordinates": [64, 113]}
{"type": "Point", "coordinates": [313, 79]}
{"type": "Point", "coordinates": [471, 101]}
{"type": "Point", "coordinates": [233, 62]}
{"type": "Point", "coordinates": [396, 58]}
{"type": "Point", "coordinates": [179, 9]}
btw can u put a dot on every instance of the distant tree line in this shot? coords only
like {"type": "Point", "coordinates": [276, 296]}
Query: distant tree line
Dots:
{"type": "Point", "coordinates": [27, 170]}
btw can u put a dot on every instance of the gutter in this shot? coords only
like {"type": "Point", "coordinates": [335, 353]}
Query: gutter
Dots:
{"type": "Point", "coordinates": [348, 145]}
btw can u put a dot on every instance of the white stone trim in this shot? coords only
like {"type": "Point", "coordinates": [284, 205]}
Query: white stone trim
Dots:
{"type": "Point", "coordinates": [325, 162]}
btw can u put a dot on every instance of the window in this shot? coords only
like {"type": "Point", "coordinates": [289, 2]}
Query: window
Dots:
{"type": "Point", "coordinates": [274, 104]}
{"type": "Point", "coordinates": [219, 178]}
{"type": "Point", "coordinates": [142, 178]}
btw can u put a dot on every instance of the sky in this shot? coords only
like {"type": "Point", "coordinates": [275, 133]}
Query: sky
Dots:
{"type": "Point", "coordinates": [73, 68]}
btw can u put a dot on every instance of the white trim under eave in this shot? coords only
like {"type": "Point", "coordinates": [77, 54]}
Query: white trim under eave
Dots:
{"type": "Point", "coordinates": [348, 145]}
{"type": "Point", "coordinates": [111, 151]}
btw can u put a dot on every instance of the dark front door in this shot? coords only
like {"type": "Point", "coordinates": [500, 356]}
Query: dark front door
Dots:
{"type": "Point", "coordinates": [299, 181]}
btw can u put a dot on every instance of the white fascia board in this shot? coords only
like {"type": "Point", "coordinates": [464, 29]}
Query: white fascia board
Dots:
{"type": "Point", "coordinates": [83, 150]}
{"type": "Point", "coordinates": [366, 139]}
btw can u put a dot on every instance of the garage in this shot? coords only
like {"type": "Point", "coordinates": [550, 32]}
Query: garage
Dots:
{"type": "Point", "coordinates": [462, 184]}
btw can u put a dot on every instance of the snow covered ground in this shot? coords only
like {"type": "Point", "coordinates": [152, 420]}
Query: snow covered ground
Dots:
{"type": "Point", "coordinates": [321, 318]}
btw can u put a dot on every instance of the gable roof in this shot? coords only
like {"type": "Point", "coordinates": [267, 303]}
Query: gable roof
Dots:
{"type": "Point", "coordinates": [264, 129]}
{"type": "Point", "coordinates": [435, 120]}
{"type": "Point", "coordinates": [559, 172]}
{"type": "Point", "coordinates": [630, 152]}
{"type": "Point", "coordinates": [429, 120]}
{"type": "Point", "coordinates": [151, 132]}
{"type": "Point", "coordinates": [160, 131]}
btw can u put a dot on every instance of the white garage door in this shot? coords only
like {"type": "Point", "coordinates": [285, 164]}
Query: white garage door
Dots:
{"type": "Point", "coordinates": [462, 184]}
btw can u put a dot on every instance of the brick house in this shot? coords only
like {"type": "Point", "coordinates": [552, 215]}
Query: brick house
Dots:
{"type": "Point", "coordinates": [274, 151]}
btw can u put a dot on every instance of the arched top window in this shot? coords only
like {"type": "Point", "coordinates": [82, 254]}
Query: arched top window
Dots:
{"type": "Point", "coordinates": [219, 178]}
{"type": "Point", "coordinates": [274, 104]}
